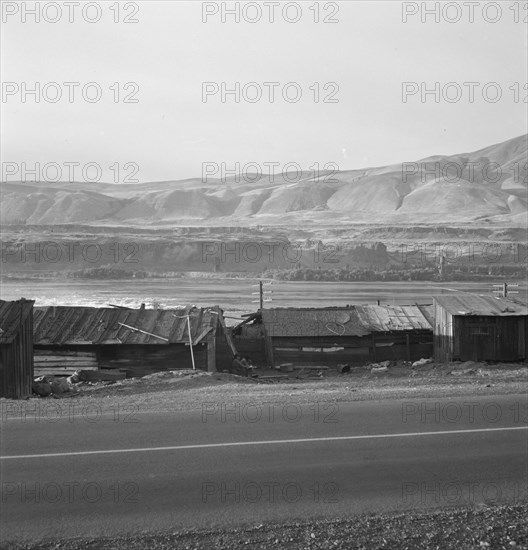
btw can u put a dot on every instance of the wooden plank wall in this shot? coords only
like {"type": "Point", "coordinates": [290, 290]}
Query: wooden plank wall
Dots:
{"type": "Point", "coordinates": [374, 347]}
{"type": "Point", "coordinates": [133, 360]}
{"type": "Point", "coordinates": [63, 362]}
{"type": "Point", "coordinates": [356, 350]}
{"type": "Point", "coordinates": [443, 335]}
{"type": "Point", "coordinates": [507, 332]}
{"type": "Point", "coordinates": [16, 362]}
{"type": "Point", "coordinates": [140, 360]}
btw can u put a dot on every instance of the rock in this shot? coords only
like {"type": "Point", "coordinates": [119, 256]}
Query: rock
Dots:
{"type": "Point", "coordinates": [376, 370]}
{"type": "Point", "coordinates": [41, 386]}
{"type": "Point", "coordinates": [75, 378]}
{"type": "Point", "coordinates": [60, 385]}
{"type": "Point", "coordinates": [383, 364]}
{"type": "Point", "coordinates": [422, 362]}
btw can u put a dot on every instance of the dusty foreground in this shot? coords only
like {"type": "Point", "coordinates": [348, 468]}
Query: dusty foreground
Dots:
{"type": "Point", "coordinates": [184, 390]}
{"type": "Point", "coordinates": [495, 528]}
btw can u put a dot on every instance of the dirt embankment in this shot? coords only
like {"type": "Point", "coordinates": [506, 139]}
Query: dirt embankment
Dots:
{"type": "Point", "coordinates": [186, 390]}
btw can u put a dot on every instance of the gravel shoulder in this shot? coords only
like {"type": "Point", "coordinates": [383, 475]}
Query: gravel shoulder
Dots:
{"type": "Point", "coordinates": [493, 528]}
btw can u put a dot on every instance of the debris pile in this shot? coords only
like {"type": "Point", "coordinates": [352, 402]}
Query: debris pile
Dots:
{"type": "Point", "coordinates": [45, 386]}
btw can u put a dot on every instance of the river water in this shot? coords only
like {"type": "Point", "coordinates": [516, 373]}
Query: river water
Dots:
{"type": "Point", "coordinates": [232, 294]}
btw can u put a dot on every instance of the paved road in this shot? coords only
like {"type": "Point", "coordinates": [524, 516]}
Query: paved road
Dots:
{"type": "Point", "coordinates": [106, 471]}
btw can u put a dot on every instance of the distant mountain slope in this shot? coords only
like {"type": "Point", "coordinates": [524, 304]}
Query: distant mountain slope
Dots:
{"type": "Point", "coordinates": [488, 184]}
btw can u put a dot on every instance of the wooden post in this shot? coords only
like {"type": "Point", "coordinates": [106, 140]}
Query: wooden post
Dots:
{"type": "Point", "coordinates": [211, 355]}
{"type": "Point", "coordinates": [408, 346]}
{"type": "Point", "coordinates": [269, 348]}
{"type": "Point", "coordinates": [373, 348]}
{"type": "Point", "coordinates": [190, 340]}
{"type": "Point", "coordinates": [261, 295]}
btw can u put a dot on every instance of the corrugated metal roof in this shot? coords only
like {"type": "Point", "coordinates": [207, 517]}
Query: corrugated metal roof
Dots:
{"type": "Point", "coordinates": [476, 304]}
{"type": "Point", "coordinates": [12, 314]}
{"type": "Point", "coordinates": [89, 325]}
{"type": "Point", "coordinates": [350, 321]}
{"type": "Point", "coordinates": [389, 318]}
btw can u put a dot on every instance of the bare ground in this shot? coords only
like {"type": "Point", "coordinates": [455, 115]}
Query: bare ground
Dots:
{"type": "Point", "coordinates": [186, 390]}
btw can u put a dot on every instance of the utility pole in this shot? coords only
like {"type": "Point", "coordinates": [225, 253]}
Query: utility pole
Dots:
{"type": "Point", "coordinates": [261, 294]}
{"type": "Point", "coordinates": [441, 266]}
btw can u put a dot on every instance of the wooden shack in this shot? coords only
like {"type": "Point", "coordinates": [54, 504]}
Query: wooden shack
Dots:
{"type": "Point", "coordinates": [134, 342]}
{"type": "Point", "coordinates": [16, 348]}
{"type": "Point", "coordinates": [471, 327]}
{"type": "Point", "coordinates": [334, 335]}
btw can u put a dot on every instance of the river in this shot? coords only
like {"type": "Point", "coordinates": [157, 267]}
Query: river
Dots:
{"type": "Point", "coordinates": [232, 294]}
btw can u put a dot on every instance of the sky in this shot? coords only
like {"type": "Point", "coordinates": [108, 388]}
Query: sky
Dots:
{"type": "Point", "coordinates": [349, 73]}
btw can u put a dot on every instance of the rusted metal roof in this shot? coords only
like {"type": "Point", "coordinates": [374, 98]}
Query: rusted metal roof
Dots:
{"type": "Point", "coordinates": [89, 325]}
{"type": "Point", "coordinates": [349, 321]}
{"type": "Point", "coordinates": [461, 303]}
{"type": "Point", "coordinates": [391, 318]}
{"type": "Point", "coordinates": [12, 314]}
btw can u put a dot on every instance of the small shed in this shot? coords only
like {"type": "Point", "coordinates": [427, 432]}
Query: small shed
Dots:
{"type": "Point", "coordinates": [16, 348]}
{"type": "Point", "coordinates": [333, 335]}
{"type": "Point", "coordinates": [134, 342]}
{"type": "Point", "coordinates": [471, 327]}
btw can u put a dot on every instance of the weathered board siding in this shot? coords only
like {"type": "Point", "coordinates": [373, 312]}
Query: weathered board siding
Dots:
{"type": "Point", "coordinates": [480, 338]}
{"type": "Point", "coordinates": [470, 327]}
{"type": "Point", "coordinates": [60, 361]}
{"type": "Point", "coordinates": [331, 351]}
{"type": "Point", "coordinates": [443, 335]}
{"type": "Point", "coordinates": [16, 357]}
{"type": "Point", "coordinates": [140, 360]}
{"type": "Point", "coordinates": [133, 360]}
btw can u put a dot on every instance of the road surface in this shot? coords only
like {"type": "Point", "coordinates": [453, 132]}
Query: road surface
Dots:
{"type": "Point", "coordinates": [109, 472]}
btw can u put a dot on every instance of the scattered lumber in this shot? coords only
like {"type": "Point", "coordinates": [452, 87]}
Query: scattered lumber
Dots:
{"type": "Point", "coordinates": [60, 353]}
{"type": "Point", "coordinates": [63, 359]}
{"type": "Point", "coordinates": [59, 371]}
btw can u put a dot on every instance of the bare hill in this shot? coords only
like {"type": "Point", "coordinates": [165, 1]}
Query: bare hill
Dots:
{"type": "Point", "coordinates": [489, 184]}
